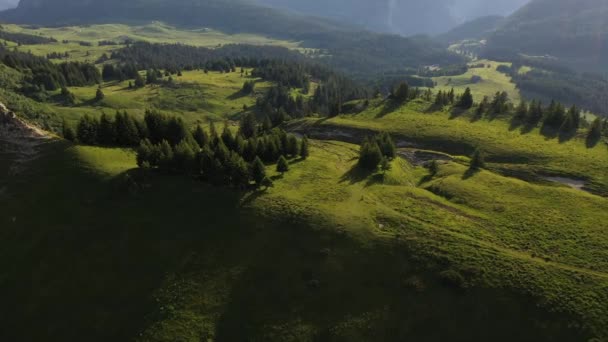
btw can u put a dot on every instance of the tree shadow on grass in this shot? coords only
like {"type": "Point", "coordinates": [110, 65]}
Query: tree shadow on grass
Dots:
{"type": "Point", "coordinates": [470, 173]}
{"type": "Point", "coordinates": [388, 107]}
{"type": "Point", "coordinates": [549, 132]}
{"type": "Point", "coordinates": [456, 113]}
{"type": "Point", "coordinates": [357, 174]}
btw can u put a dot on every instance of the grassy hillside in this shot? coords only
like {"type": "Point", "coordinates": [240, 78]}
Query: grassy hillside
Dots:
{"type": "Point", "coordinates": [328, 253]}
{"type": "Point", "coordinates": [483, 81]}
{"type": "Point", "coordinates": [154, 32]}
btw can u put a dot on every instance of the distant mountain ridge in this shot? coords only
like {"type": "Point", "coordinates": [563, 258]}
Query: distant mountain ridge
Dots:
{"type": "Point", "coordinates": [405, 17]}
{"type": "Point", "coordinates": [349, 47]}
{"type": "Point", "coordinates": [573, 31]}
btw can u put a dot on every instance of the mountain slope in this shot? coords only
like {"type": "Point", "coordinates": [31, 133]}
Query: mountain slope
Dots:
{"type": "Point", "coordinates": [406, 17]}
{"type": "Point", "coordinates": [574, 31]}
{"type": "Point", "coordinates": [343, 46]}
{"type": "Point", "coordinates": [475, 29]}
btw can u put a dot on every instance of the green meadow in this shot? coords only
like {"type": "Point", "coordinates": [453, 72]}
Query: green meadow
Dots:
{"type": "Point", "coordinates": [155, 32]}
{"type": "Point", "coordinates": [489, 81]}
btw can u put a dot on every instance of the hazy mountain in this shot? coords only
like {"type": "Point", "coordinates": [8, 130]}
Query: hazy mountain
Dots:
{"type": "Point", "coordinates": [476, 29]}
{"type": "Point", "coordinates": [405, 17]}
{"type": "Point", "coordinates": [4, 4]}
{"type": "Point", "coordinates": [574, 31]}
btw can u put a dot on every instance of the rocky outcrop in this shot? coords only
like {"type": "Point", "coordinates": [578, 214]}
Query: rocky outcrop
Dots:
{"type": "Point", "coordinates": [20, 142]}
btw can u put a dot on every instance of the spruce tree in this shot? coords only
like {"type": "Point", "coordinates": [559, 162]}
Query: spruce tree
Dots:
{"type": "Point", "coordinates": [370, 155]}
{"type": "Point", "coordinates": [67, 131]}
{"type": "Point", "coordinates": [139, 81]}
{"type": "Point", "coordinates": [258, 171]}
{"type": "Point", "coordinates": [248, 126]}
{"type": "Point", "coordinates": [595, 131]}
{"type": "Point", "coordinates": [107, 133]}
{"type": "Point", "coordinates": [304, 152]}
{"type": "Point", "coordinates": [466, 100]}
{"type": "Point", "coordinates": [477, 160]}
{"type": "Point", "coordinates": [99, 95]}
{"type": "Point", "coordinates": [282, 165]}
{"type": "Point", "coordinates": [200, 136]}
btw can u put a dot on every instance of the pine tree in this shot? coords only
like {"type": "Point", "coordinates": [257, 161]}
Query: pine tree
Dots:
{"type": "Point", "coordinates": [266, 124]}
{"type": "Point", "coordinates": [595, 131]}
{"type": "Point", "coordinates": [258, 171]}
{"type": "Point", "coordinates": [67, 131]}
{"type": "Point", "coordinates": [292, 147]}
{"type": "Point", "coordinates": [521, 112]}
{"type": "Point", "coordinates": [466, 100]}
{"type": "Point", "coordinates": [385, 164]}
{"type": "Point", "coordinates": [402, 93]}
{"type": "Point", "coordinates": [434, 168]}
{"type": "Point", "coordinates": [370, 155]}
{"type": "Point", "coordinates": [477, 160]}
{"type": "Point", "coordinates": [227, 137]}
{"type": "Point", "coordinates": [200, 136]}
{"type": "Point", "coordinates": [304, 152]}
{"type": "Point", "coordinates": [282, 165]}
{"type": "Point", "coordinates": [248, 126]}
{"type": "Point", "coordinates": [107, 133]}
{"type": "Point", "coordinates": [139, 81]}
{"type": "Point", "coordinates": [165, 161]}
{"type": "Point", "coordinates": [184, 156]}
{"type": "Point", "coordinates": [99, 95]}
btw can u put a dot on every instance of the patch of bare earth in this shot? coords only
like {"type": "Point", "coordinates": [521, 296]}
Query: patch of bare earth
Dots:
{"type": "Point", "coordinates": [19, 141]}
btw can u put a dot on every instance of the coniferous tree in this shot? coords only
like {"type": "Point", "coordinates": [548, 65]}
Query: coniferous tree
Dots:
{"type": "Point", "coordinates": [521, 112]}
{"type": "Point", "coordinates": [227, 137]}
{"type": "Point", "coordinates": [466, 100]}
{"type": "Point", "coordinates": [99, 95]}
{"type": "Point", "coordinates": [107, 133]}
{"type": "Point", "coordinates": [595, 131]}
{"type": "Point", "coordinates": [200, 136]}
{"type": "Point", "coordinates": [67, 131]}
{"type": "Point", "coordinates": [402, 93]}
{"type": "Point", "coordinates": [87, 130]}
{"type": "Point", "coordinates": [434, 168]}
{"type": "Point", "coordinates": [370, 155]}
{"type": "Point", "coordinates": [282, 165]}
{"type": "Point", "coordinates": [139, 81]}
{"type": "Point", "coordinates": [248, 126]}
{"type": "Point", "coordinates": [126, 130]}
{"type": "Point", "coordinates": [304, 152]}
{"type": "Point", "coordinates": [185, 157]}
{"type": "Point", "coordinates": [477, 160]}
{"type": "Point", "coordinates": [258, 171]}
{"type": "Point", "coordinates": [291, 147]}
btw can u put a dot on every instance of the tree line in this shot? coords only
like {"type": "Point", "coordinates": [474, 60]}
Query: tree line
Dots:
{"type": "Point", "coordinates": [165, 143]}
{"type": "Point", "coordinates": [42, 75]}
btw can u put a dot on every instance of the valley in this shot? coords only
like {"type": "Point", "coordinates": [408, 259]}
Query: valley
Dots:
{"type": "Point", "coordinates": [171, 182]}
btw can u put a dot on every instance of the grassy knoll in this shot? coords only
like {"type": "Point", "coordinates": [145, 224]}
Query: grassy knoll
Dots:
{"type": "Point", "coordinates": [328, 253]}
{"type": "Point", "coordinates": [491, 81]}
{"type": "Point", "coordinates": [513, 149]}
{"type": "Point", "coordinates": [154, 32]}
